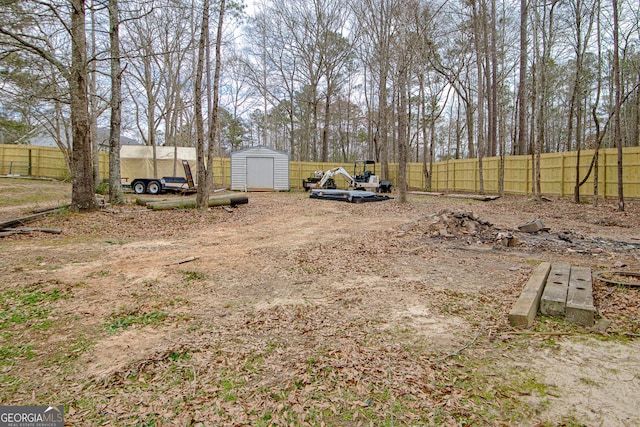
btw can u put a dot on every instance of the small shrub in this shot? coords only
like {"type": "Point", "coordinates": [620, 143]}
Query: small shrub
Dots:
{"type": "Point", "coordinates": [103, 188]}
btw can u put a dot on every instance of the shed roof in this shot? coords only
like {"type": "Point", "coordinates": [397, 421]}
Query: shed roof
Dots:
{"type": "Point", "coordinates": [260, 147]}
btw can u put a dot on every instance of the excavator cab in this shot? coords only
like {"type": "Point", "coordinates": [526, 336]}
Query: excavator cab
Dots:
{"type": "Point", "coordinates": [360, 171]}
{"type": "Point", "coordinates": [364, 174]}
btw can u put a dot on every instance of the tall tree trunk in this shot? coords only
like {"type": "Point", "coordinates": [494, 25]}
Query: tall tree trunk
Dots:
{"type": "Point", "coordinates": [402, 129]}
{"type": "Point", "coordinates": [494, 79]}
{"type": "Point", "coordinates": [93, 102]}
{"type": "Point", "coordinates": [214, 118]}
{"type": "Point", "coordinates": [327, 121]}
{"type": "Point", "coordinates": [578, 95]}
{"type": "Point", "coordinates": [522, 85]}
{"type": "Point", "coordinates": [480, 54]}
{"type": "Point", "coordinates": [543, 59]}
{"type": "Point", "coordinates": [383, 135]}
{"type": "Point", "coordinates": [426, 171]}
{"type": "Point", "coordinates": [116, 195]}
{"type": "Point", "coordinates": [199, 119]}
{"type": "Point", "coordinates": [594, 109]}
{"type": "Point", "coordinates": [82, 195]}
{"type": "Point", "coordinates": [617, 135]}
{"type": "Point", "coordinates": [491, 73]}
{"type": "Point", "coordinates": [468, 111]}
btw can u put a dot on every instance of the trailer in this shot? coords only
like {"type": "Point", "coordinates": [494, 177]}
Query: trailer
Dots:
{"type": "Point", "coordinates": [167, 184]}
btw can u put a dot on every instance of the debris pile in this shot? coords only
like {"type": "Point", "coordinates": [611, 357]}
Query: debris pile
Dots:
{"type": "Point", "coordinates": [452, 224]}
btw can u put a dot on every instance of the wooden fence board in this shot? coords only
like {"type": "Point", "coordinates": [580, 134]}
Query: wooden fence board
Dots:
{"type": "Point", "coordinates": [461, 176]}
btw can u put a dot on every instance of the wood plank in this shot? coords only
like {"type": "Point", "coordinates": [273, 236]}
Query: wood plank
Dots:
{"type": "Point", "coordinates": [580, 308]}
{"type": "Point", "coordinates": [30, 229]}
{"type": "Point", "coordinates": [524, 310]}
{"type": "Point", "coordinates": [25, 220]}
{"type": "Point", "coordinates": [479, 197]}
{"type": "Point", "coordinates": [554, 298]}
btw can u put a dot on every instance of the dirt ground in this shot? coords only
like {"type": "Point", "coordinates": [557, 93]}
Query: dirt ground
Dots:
{"type": "Point", "coordinates": [295, 311]}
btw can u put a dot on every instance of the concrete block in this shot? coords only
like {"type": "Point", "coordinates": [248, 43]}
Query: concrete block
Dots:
{"type": "Point", "coordinates": [554, 298]}
{"type": "Point", "coordinates": [532, 226]}
{"type": "Point", "coordinates": [580, 308]}
{"type": "Point", "coordinates": [525, 308]}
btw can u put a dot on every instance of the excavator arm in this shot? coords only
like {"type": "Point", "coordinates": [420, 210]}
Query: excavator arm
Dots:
{"type": "Point", "coordinates": [336, 171]}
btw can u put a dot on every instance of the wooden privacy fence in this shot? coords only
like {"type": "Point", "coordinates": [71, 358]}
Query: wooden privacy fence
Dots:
{"type": "Point", "coordinates": [558, 171]}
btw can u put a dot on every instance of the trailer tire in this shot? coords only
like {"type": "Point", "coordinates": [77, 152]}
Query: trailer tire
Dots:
{"type": "Point", "coordinates": [139, 187]}
{"type": "Point", "coordinates": [154, 187]}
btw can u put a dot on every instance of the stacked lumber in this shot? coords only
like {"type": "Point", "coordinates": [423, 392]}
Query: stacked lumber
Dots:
{"type": "Point", "coordinates": [557, 290]}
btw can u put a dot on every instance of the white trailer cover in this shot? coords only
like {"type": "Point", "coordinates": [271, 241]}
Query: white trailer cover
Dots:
{"type": "Point", "coordinates": [137, 161]}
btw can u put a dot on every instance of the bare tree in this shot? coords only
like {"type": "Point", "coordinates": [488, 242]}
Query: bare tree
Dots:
{"type": "Point", "coordinates": [36, 42]}
{"type": "Point", "coordinates": [544, 30]}
{"type": "Point", "coordinates": [205, 171]}
{"type": "Point", "coordinates": [594, 107]}
{"type": "Point", "coordinates": [214, 117]}
{"type": "Point", "coordinates": [375, 20]}
{"type": "Point", "coordinates": [617, 135]}
{"type": "Point", "coordinates": [522, 84]}
{"type": "Point", "coordinates": [201, 199]}
{"type": "Point", "coordinates": [479, 37]}
{"type": "Point", "coordinates": [116, 195]}
{"type": "Point", "coordinates": [578, 93]}
{"type": "Point", "coordinates": [82, 196]}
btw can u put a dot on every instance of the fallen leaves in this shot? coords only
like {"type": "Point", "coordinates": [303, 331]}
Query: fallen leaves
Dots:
{"type": "Point", "coordinates": [305, 314]}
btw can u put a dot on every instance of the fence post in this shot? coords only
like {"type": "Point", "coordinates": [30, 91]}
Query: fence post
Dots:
{"type": "Point", "coordinates": [529, 171]}
{"type": "Point", "coordinates": [562, 175]}
{"type": "Point", "coordinates": [604, 174]}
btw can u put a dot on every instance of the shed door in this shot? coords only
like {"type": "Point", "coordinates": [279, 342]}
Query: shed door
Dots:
{"type": "Point", "coordinates": [260, 173]}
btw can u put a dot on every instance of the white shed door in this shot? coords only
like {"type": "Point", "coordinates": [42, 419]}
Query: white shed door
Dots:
{"type": "Point", "coordinates": [260, 173]}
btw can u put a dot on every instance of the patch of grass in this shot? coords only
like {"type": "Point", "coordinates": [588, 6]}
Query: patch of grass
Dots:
{"type": "Point", "coordinates": [81, 345]}
{"type": "Point", "coordinates": [495, 392]}
{"type": "Point", "coordinates": [64, 356]}
{"type": "Point", "coordinates": [588, 381]}
{"type": "Point", "coordinates": [9, 384]}
{"type": "Point", "coordinates": [232, 388]}
{"type": "Point", "coordinates": [9, 353]}
{"type": "Point", "coordinates": [555, 324]}
{"type": "Point", "coordinates": [529, 384]}
{"type": "Point", "coordinates": [116, 242]}
{"type": "Point", "coordinates": [25, 192]}
{"type": "Point", "coordinates": [62, 212]}
{"type": "Point", "coordinates": [178, 301]}
{"type": "Point", "coordinates": [190, 276]}
{"type": "Point", "coordinates": [28, 307]}
{"type": "Point", "coordinates": [253, 362]}
{"type": "Point", "coordinates": [103, 273]}
{"type": "Point", "coordinates": [179, 355]}
{"type": "Point", "coordinates": [124, 320]}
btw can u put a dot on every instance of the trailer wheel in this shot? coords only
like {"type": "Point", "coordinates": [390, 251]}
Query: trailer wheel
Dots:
{"type": "Point", "coordinates": [139, 187]}
{"type": "Point", "coordinates": [154, 187]}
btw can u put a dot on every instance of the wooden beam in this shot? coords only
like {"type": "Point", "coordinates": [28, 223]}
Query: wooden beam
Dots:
{"type": "Point", "coordinates": [524, 310]}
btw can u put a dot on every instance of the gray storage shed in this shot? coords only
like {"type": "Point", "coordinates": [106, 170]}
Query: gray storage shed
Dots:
{"type": "Point", "coordinates": [259, 168]}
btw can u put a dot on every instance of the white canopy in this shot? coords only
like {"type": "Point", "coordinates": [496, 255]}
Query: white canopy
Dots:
{"type": "Point", "coordinates": [136, 161]}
